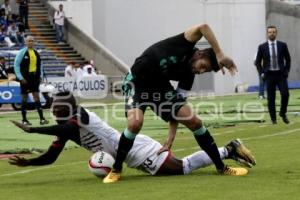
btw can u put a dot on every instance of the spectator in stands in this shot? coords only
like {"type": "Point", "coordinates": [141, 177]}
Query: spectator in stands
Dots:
{"type": "Point", "coordinates": [3, 22]}
{"type": "Point", "coordinates": [6, 6]}
{"type": "Point", "coordinates": [8, 69]}
{"type": "Point", "coordinates": [70, 71]}
{"type": "Point", "coordinates": [23, 11]}
{"type": "Point", "coordinates": [29, 71]}
{"type": "Point", "coordinates": [15, 35]}
{"type": "Point", "coordinates": [90, 72]}
{"type": "Point", "coordinates": [79, 70]}
{"type": "Point", "coordinates": [4, 39]}
{"type": "Point", "coordinates": [59, 18]}
{"type": "Point", "coordinates": [3, 73]}
{"type": "Point", "coordinates": [89, 65]}
{"type": "Point", "coordinates": [20, 25]}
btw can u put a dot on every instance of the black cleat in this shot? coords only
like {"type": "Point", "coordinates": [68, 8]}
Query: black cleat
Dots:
{"type": "Point", "coordinates": [26, 122]}
{"type": "Point", "coordinates": [44, 121]}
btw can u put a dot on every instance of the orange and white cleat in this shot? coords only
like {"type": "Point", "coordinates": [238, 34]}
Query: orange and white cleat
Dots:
{"type": "Point", "coordinates": [112, 177]}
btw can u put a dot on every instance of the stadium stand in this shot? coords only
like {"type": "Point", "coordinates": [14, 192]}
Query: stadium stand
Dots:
{"type": "Point", "coordinates": [55, 56]}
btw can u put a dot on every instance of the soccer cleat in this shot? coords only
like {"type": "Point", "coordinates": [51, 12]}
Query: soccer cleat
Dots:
{"type": "Point", "coordinates": [112, 177]}
{"type": "Point", "coordinates": [233, 171]}
{"type": "Point", "coordinates": [26, 122]}
{"type": "Point", "coordinates": [44, 121]}
{"type": "Point", "coordinates": [238, 152]}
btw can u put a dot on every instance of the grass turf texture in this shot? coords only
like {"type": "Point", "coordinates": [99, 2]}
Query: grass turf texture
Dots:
{"type": "Point", "coordinates": [276, 148]}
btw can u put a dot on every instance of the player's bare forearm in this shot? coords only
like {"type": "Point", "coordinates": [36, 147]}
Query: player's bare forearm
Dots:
{"type": "Point", "coordinates": [171, 136]}
{"type": "Point", "coordinates": [195, 33]}
{"type": "Point", "coordinates": [50, 156]}
{"type": "Point", "coordinates": [172, 132]}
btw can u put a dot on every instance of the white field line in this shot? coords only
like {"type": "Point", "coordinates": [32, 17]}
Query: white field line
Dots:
{"type": "Point", "coordinates": [262, 126]}
{"type": "Point", "coordinates": [189, 138]}
{"type": "Point", "coordinates": [176, 150]}
{"type": "Point", "coordinates": [272, 135]}
{"type": "Point", "coordinates": [41, 168]}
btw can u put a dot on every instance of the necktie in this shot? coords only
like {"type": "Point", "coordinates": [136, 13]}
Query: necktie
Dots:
{"type": "Point", "coordinates": [274, 57]}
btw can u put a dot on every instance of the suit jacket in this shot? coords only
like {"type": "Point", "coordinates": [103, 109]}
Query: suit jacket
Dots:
{"type": "Point", "coordinates": [263, 58]}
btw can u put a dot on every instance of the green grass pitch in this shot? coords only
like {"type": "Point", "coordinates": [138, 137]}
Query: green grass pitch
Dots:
{"type": "Point", "coordinates": [276, 148]}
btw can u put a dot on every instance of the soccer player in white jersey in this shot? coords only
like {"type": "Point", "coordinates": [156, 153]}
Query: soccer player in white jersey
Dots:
{"type": "Point", "coordinates": [87, 130]}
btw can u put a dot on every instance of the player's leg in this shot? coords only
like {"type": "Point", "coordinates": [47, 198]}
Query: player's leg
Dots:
{"type": "Point", "coordinates": [172, 166]}
{"type": "Point", "coordinates": [271, 91]}
{"type": "Point", "coordinates": [233, 150]}
{"type": "Point", "coordinates": [284, 92]}
{"type": "Point", "coordinates": [38, 107]}
{"type": "Point", "coordinates": [205, 140]}
{"type": "Point", "coordinates": [200, 159]}
{"type": "Point", "coordinates": [135, 118]}
{"type": "Point", "coordinates": [23, 108]}
{"type": "Point", "coordinates": [197, 160]}
{"type": "Point", "coordinates": [201, 134]}
{"type": "Point", "coordinates": [134, 112]}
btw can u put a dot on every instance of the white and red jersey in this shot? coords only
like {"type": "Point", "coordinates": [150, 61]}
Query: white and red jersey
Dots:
{"type": "Point", "coordinates": [98, 135]}
{"type": "Point", "coordinates": [89, 131]}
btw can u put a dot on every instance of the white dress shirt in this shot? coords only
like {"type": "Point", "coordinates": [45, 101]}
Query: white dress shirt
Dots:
{"type": "Point", "coordinates": [271, 54]}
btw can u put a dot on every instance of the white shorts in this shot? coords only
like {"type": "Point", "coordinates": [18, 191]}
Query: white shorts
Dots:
{"type": "Point", "coordinates": [143, 155]}
{"type": "Point", "coordinates": [154, 162]}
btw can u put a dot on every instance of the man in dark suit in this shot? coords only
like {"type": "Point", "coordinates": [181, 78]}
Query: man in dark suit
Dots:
{"type": "Point", "coordinates": [273, 62]}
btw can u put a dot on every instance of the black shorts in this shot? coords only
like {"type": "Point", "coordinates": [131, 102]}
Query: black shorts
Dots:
{"type": "Point", "coordinates": [32, 85]}
{"type": "Point", "coordinates": [165, 102]}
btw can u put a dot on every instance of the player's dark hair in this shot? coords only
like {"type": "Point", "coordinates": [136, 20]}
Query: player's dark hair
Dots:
{"type": "Point", "coordinates": [211, 56]}
{"type": "Point", "coordinates": [65, 97]}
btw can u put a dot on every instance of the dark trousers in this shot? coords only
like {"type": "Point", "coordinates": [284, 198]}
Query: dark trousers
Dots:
{"type": "Point", "coordinates": [24, 15]}
{"type": "Point", "coordinates": [262, 86]}
{"type": "Point", "coordinates": [276, 78]}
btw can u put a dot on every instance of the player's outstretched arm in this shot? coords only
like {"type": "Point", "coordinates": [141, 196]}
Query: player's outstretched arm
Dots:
{"type": "Point", "coordinates": [47, 158]}
{"type": "Point", "coordinates": [195, 33]}
{"type": "Point", "coordinates": [58, 130]}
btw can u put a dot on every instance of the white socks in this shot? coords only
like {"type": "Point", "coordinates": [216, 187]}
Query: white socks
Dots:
{"type": "Point", "coordinates": [200, 159]}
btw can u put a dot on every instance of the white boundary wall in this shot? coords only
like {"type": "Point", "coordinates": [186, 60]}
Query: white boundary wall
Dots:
{"type": "Point", "coordinates": [128, 27]}
{"type": "Point", "coordinates": [78, 12]}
